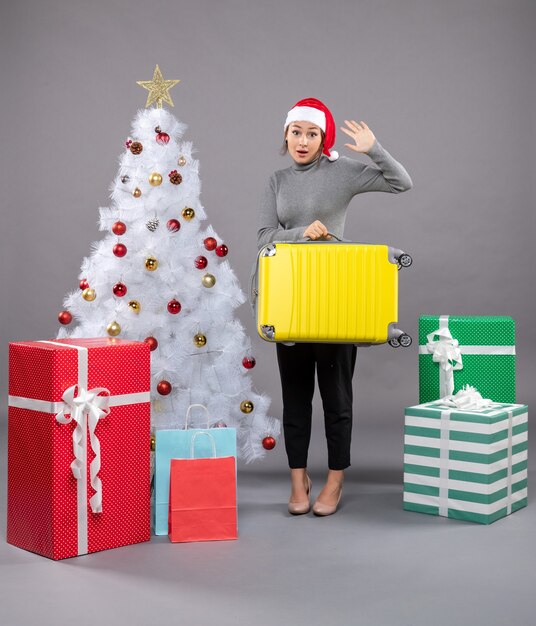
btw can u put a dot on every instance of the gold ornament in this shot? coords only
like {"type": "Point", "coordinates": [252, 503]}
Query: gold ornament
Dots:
{"type": "Point", "coordinates": [158, 89]}
{"type": "Point", "coordinates": [151, 264]}
{"type": "Point", "coordinates": [137, 192]}
{"type": "Point", "coordinates": [208, 281]}
{"type": "Point", "coordinates": [246, 406]}
{"type": "Point", "coordinates": [113, 329]}
{"type": "Point", "coordinates": [200, 340]}
{"type": "Point", "coordinates": [188, 213]}
{"type": "Point", "coordinates": [182, 161]}
{"type": "Point", "coordinates": [153, 443]}
{"type": "Point", "coordinates": [89, 294]}
{"type": "Point", "coordinates": [155, 179]}
{"type": "Point", "coordinates": [135, 306]}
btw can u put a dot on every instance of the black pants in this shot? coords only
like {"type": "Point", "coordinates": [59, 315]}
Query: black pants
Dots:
{"type": "Point", "coordinates": [335, 364]}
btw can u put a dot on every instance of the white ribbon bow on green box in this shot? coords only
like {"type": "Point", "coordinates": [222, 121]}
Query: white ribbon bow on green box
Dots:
{"type": "Point", "coordinates": [445, 351]}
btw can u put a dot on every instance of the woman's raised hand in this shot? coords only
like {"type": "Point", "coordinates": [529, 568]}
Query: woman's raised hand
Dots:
{"type": "Point", "coordinates": [316, 230]}
{"type": "Point", "coordinates": [361, 134]}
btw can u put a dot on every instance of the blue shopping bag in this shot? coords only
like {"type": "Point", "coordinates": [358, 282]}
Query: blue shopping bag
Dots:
{"type": "Point", "coordinates": [175, 444]}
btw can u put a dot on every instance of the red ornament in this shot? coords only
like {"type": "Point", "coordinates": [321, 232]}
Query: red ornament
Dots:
{"type": "Point", "coordinates": [174, 307]}
{"type": "Point", "coordinates": [84, 284]}
{"type": "Point", "coordinates": [120, 249]}
{"type": "Point", "coordinates": [268, 443]}
{"type": "Point", "coordinates": [153, 343]}
{"type": "Point", "coordinates": [201, 262]}
{"type": "Point", "coordinates": [210, 243]}
{"type": "Point", "coordinates": [173, 225]}
{"type": "Point", "coordinates": [164, 388]}
{"type": "Point", "coordinates": [64, 317]}
{"type": "Point", "coordinates": [162, 138]}
{"type": "Point", "coordinates": [222, 250]}
{"type": "Point", "coordinates": [248, 362]}
{"type": "Point", "coordinates": [119, 228]}
{"type": "Point", "coordinates": [119, 290]}
{"type": "Point", "coordinates": [128, 143]}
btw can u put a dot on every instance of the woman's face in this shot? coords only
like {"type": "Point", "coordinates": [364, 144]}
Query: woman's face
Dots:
{"type": "Point", "coordinates": [303, 141]}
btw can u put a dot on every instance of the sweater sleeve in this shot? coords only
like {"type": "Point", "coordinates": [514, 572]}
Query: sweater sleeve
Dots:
{"type": "Point", "coordinates": [386, 174]}
{"type": "Point", "coordinates": [270, 228]}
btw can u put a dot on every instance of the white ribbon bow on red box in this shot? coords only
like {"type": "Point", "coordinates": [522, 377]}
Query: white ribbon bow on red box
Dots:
{"type": "Point", "coordinates": [93, 406]}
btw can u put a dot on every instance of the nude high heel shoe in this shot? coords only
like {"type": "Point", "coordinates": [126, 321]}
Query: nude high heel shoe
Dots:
{"type": "Point", "coordinates": [322, 510]}
{"type": "Point", "coordinates": [301, 508]}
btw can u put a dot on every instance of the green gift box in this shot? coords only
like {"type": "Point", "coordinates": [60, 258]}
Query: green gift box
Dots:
{"type": "Point", "coordinates": [467, 465]}
{"type": "Point", "coordinates": [455, 351]}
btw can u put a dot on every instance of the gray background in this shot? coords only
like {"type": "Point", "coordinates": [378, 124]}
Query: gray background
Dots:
{"type": "Point", "coordinates": [448, 88]}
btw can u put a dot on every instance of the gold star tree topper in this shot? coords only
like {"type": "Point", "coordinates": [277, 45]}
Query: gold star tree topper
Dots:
{"type": "Point", "coordinates": [158, 89]}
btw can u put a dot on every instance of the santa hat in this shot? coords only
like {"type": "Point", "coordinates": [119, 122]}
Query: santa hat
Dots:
{"type": "Point", "coordinates": [316, 112]}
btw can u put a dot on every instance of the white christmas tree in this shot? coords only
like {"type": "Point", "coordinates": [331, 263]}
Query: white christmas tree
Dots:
{"type": "Point", "coordinates": [159, 276]}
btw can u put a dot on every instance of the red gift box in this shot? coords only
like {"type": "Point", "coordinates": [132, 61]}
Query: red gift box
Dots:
{"type": "Point", "coordinates": [78, 445]}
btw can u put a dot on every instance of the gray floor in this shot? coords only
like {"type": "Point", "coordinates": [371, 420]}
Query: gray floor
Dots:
{"type": "Point", "coordinates": [370, 564]}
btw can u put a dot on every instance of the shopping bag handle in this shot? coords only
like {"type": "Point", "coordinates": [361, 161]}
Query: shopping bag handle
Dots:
{"type": "Point", "coordinates": [199, 434]}
{"type": "Point", "coordinates": [188, 415]}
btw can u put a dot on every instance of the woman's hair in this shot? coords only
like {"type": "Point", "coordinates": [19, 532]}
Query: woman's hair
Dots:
{"type": "Point", "coordinates": [284, 147]}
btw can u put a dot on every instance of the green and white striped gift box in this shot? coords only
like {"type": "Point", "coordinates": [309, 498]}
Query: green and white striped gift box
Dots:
{"type": "Point", "coordinates": [467, 465]}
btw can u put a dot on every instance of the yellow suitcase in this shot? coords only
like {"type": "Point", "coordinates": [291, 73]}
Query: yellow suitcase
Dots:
{"type": "Point", "coordinates": [326, 291]}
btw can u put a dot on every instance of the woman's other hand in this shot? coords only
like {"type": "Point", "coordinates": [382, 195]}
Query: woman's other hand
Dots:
{"type": "Point", "coordinates": [316, 230]}
{"type": "Point", "coordinates": [361, 134]}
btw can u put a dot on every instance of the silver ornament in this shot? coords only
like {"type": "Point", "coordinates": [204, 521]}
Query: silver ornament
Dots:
{"type": "Point", "coordinates": [153, 224]}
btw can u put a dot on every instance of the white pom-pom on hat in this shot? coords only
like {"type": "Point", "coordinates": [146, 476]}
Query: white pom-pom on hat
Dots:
{"type": "Point", "coordinates": [334, 155]}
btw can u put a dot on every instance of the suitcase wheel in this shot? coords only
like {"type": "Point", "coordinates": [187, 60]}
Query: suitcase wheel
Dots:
{"type": "Point", "coordinates": [405, 340]}
{"type": "Point", "coordinates": [268, 332]}
{"type": "Point", "coordinates": [394, 342]}
{"type": "Point", "coordinates": [404, 260]}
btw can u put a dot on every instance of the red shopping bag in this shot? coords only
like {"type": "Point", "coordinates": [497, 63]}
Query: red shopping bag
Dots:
{"type": "Point", "coordinates": [202, 497]}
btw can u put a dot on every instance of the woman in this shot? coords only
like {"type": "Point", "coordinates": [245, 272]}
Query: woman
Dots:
{"type": "Point", "coordinates": [309, 200]}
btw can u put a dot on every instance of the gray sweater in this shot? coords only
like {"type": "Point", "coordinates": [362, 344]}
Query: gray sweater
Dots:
{"type": "Point", "coordinates": [298, 195]}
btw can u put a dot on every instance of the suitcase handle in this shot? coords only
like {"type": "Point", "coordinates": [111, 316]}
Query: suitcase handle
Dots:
{"type": "Point", "coordinates": [324, 240]}
{"type": "Point", "coordinates": [252, 290]}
